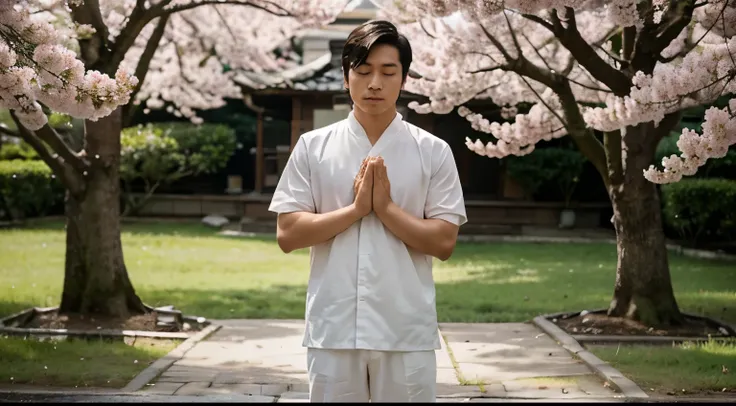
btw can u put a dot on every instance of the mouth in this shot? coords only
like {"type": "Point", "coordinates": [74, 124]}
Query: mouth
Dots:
{"type": "Point", "coordinates": [376, 99]}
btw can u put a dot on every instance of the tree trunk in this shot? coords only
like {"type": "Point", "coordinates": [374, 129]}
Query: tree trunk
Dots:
{"type": "Point", "coordinates": [643, 289]}
{"type": "Point", "coordinates": [95, 279]}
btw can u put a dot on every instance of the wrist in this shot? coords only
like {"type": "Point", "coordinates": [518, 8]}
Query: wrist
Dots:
{"type": "Point", "coordinates": [355, 213]}
{"type": "Point", "coordinates": [384, 208]}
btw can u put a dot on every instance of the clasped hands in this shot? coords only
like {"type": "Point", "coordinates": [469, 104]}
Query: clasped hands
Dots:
{"type": "Point", "coordinates": [371, 186]}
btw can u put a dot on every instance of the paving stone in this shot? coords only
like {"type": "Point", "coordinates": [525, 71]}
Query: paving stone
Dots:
{"type": "Point", "coordinates": [483, 328]}
{"type": "Point", "coordinates": [443, 356]}
{"type": "Point", "coordinates": [493, 390]}
{"type": "Point", "coordinates": [494, 352]}
{"type": "Point", "coordinates": [187, 376]}
{"type": "Point", "coordinates": [593, 386]}
{"type": "Point", "coordinates": [571, 400]}
{"type": "Point", "coordinates": [299, 387]}
{"type": "Point", "coordinates": [163, 388]}
{"type": "Point", "coordinates": [263, 359]}
{"type": "Point", "coordinates": [274, 389]}
{"type": "Point", "coordinates": [260, 376]}
{"type": "Point", "coordinates": [454, 391]}
{"type": "Point", "coordinates": [192, 388]}
{"type": "Point", "coordinates": [294, 397]}
{"type": "Point", "coordinates": [532, 389]}
{"type": "Point", "coordinates": [501, 372]}
{"type": "Point", "coordinates": [447, 376]}
{"type": "Point", "coordinates": [241, 388]}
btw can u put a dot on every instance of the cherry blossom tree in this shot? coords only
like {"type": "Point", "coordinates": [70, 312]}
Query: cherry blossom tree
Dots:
{"type": "Point", "coordinates": [95, 60]}
{"type": "Point", "coordinates": [613, 75]}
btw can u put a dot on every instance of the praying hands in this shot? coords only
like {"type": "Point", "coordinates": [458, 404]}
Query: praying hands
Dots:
{"type": "Point", "coordinates": [372, 187]}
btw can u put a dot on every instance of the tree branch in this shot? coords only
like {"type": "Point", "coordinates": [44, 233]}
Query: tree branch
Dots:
{"type": "Point", "coordinates": [586, 56]}
{"type": "Point", "coordinates": [141, 70]}
{"type": "Point", "coordinates": [612, 145]}
{"type": "Point", "coordinates": [52, 138]}
{"type": "Point", "coordinates": [539, 20]}
{"type": "Point", "coordinates": [653, 40]}
{"type": "Point", "coordinates": [94, 50]}
{"type": "Point", "coordinates": [489, 69]}
{"type": "Point", "coordinates": [10, 133]}
{"type": "Point", "coordinates": [280, 11]}
{"type": "Point", "coordinates": [69, 177]}
{"type": "Point", "coordinates": [628, 41]}
{"type": "Point", "coordinates": [497, 44]}
{"type": "Point", "coordinates": [586, 142]}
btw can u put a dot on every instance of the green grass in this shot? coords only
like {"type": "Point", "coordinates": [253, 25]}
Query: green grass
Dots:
{"type": "Point", "coordinates": [77, 363]}
{"type": "Point", "coordinates": [189, 266]}
{"type": "Point", "coordinates": [696, 368]}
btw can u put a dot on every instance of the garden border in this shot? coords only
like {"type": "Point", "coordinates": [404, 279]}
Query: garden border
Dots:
{"type": "Point", "coordinates": [614, 377]}
{"type": "Point", "coordinates": [9, 325]}
{"type": "Point", "coordinates": [162, 364]}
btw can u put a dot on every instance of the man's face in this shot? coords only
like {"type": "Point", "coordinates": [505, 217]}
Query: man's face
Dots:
{"type": "Point", "coordinates": [375, 85]}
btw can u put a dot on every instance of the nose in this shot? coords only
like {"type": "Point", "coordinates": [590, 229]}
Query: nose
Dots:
{"type": "Point", "coordinates": [375, 83]}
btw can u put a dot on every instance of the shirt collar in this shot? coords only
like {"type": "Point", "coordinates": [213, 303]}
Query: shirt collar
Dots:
{"type": "Point", "coordinates": [359, 131]}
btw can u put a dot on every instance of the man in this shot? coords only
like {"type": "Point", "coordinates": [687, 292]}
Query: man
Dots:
{"type": "Point", "coordinates": [375, 198]}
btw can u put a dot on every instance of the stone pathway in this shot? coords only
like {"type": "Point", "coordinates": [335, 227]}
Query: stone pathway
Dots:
{"type": "Point", "coordinates": [263, 361]}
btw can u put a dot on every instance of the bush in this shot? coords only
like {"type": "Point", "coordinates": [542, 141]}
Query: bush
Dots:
{"type": "Point", "coordinates": [10, 151]}
{"type": "Point", "coordinates": [28, 189]}
{"type": "Point", "coordinates": [157, 154]}
{"type": "Point", "coordinates": [701, 209]}
{"type": "Point", "coordinates": [559, 166]}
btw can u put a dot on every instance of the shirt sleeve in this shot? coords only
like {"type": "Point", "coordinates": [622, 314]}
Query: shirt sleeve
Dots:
{"type": "Point", "coordinates": [445, 194]}
{"type": "Point", "coordinates": [294, 190]}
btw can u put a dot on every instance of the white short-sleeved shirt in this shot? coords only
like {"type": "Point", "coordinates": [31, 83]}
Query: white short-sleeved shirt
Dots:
{"type": "Point", "coordinates": [367, 289]}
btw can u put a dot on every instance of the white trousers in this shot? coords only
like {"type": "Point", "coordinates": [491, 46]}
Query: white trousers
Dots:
{"type": "Point", "coordinates": [375, 376]}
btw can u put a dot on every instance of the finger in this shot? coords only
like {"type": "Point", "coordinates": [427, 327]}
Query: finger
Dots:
{"type": "Point", "coordinates": [363, 166]}
{"type": "Point", "coordinates": [370, 173]}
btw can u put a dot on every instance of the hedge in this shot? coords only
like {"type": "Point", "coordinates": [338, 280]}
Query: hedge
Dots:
{"type": "Point", "coordinates": [28, 189]}
{"type": "Point", "coordinates": [701, 209]}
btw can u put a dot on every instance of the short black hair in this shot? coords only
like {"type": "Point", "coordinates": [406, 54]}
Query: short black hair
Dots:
{"type": "Point", "coordinates": [362, 39]}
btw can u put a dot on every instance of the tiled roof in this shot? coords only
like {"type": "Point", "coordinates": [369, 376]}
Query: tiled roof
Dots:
{"type": "Point", "coordinates": [318, 75]}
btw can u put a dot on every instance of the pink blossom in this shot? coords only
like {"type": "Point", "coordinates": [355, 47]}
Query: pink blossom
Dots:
{"type": "Point", "coordinates": [464, 50]}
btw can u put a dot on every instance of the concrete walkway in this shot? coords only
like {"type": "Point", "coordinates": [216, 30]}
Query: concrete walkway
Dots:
{"type": "Point", "coordinates": [263, 361]}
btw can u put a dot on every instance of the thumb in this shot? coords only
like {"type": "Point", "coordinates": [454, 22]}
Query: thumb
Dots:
{"type": "Point", "coordinates": [370, 173]}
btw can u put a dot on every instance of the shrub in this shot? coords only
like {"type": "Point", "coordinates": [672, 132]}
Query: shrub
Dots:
{"type": "Point", "coordinates": [559, 166]}
{"type": "Point", "coordinates": [28, 189]}
{"type": "Point", "coordinates": [162, 153]}
{"type": "Point", "coordinates": [701, 209]}
{"type": "Point", "coordinates": [10, 151]}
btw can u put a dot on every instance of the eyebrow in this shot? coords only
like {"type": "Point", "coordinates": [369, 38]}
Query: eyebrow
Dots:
{"type": "Point", "coordinates": [385, 65]}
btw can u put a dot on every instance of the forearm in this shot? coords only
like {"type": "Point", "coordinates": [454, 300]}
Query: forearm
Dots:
{"type": "Point", "coordinates": [302, 229]}
{"type": "Point", "coordinates": [433, 237]}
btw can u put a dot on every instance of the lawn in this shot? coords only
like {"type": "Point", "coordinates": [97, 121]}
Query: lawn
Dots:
{"type": "Point", "coordinates": [203, 274]}
{"type": "Point", "coordinates": [77, 363]}
{"type": "Point", "coordinates": [683, 369]}
{"type": "Point", "coordinates": [191, 267]}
